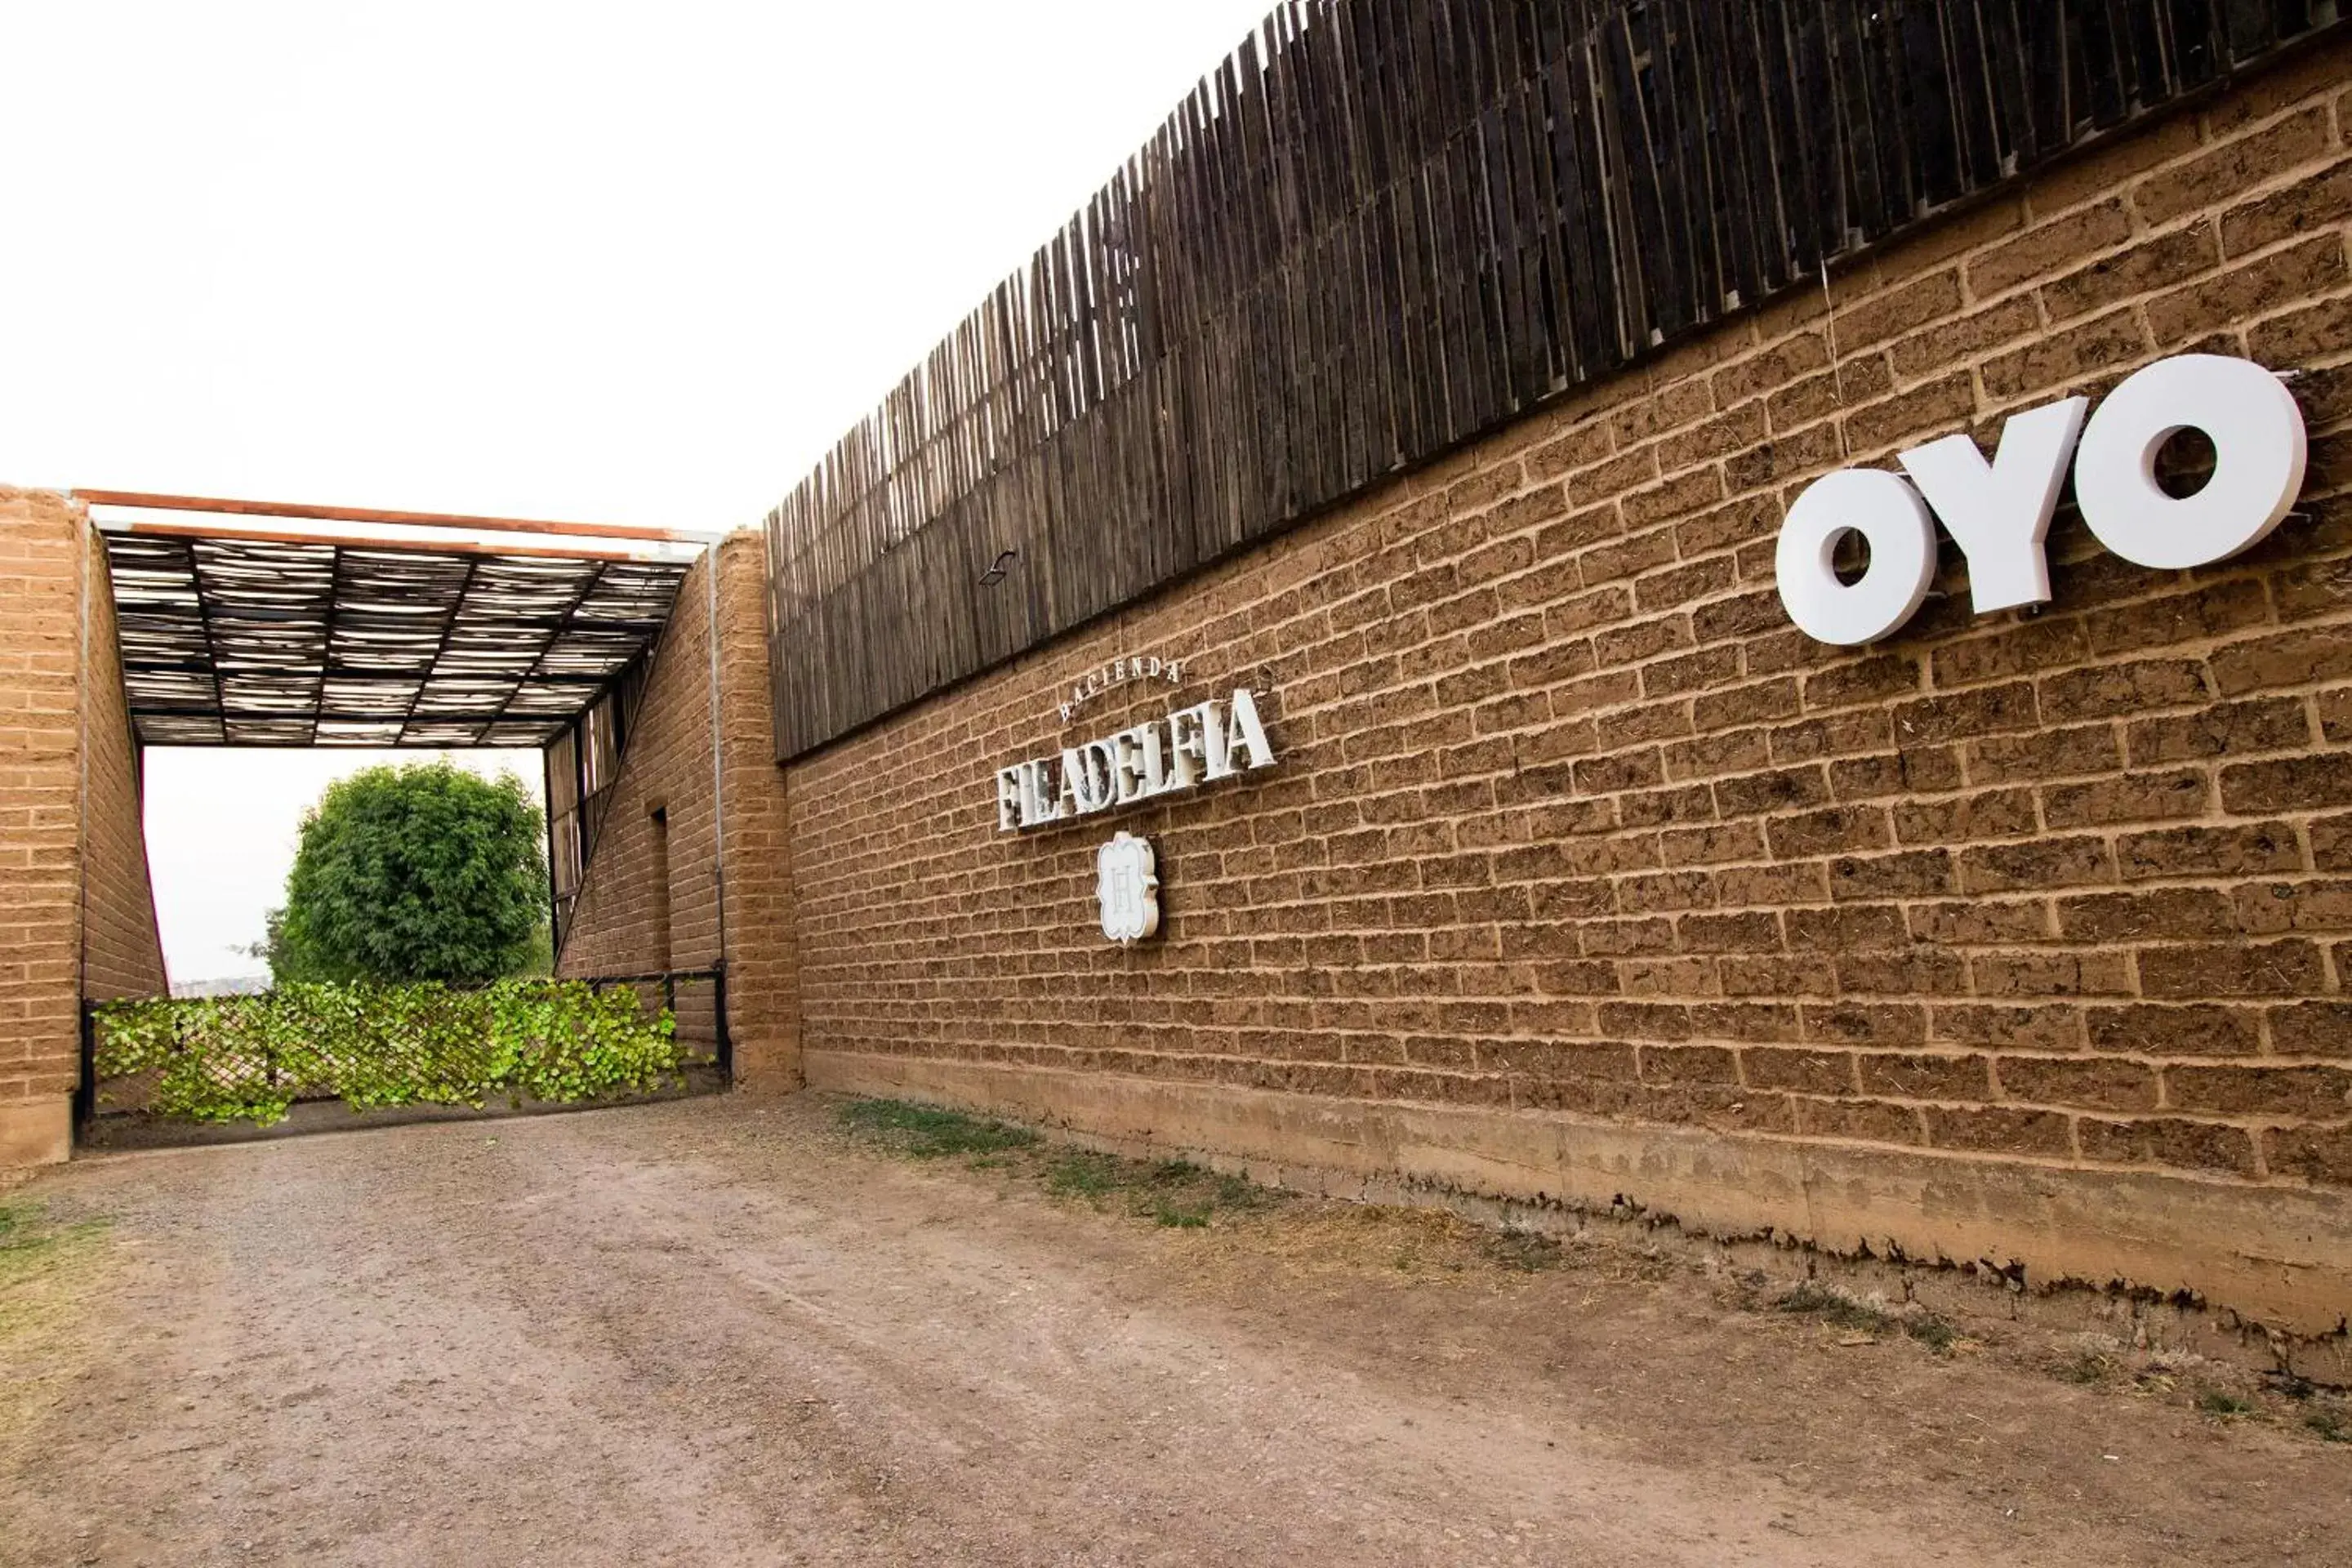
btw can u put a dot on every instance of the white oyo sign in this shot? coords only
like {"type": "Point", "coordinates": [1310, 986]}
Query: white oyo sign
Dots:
{"type": "Point", "coordinates": [1202, 745]}
{"type": "Point", "coordinates": [1999, 513]}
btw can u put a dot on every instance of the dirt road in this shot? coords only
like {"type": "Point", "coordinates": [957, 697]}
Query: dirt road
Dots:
{"type": "Point", "coordinates": [707, 1333]}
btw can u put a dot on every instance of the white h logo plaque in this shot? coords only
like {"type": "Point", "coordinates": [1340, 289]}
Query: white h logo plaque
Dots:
{"type": "Point", "coordinates": [1127, 883]}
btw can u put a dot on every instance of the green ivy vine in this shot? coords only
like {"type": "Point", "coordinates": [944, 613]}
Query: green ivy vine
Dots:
{"type": "Point", "coordinates": [249, 1059]}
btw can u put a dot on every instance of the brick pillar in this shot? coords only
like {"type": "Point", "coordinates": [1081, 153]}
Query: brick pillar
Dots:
{"type": "Point", "coordinates": [41, 567]}
{"type": "Point", "coordinates": [763, 992]}
{"type": "Point", "coordinates": [76, 913]}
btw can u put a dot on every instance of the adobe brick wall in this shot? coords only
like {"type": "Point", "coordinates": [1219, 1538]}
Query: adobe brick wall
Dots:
{"type": "Point", "coordinates": [40, 797]}
{"type": "Point", "coordinates": [616, 924]}
{"type": "Point", "coordinates": [122, 949]}
{"type": "Point", "coordinates": [2024, 938]}
{"type": "Point", "coordinates": [54, 876]}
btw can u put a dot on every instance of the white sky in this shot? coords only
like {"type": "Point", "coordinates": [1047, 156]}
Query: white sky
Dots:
{"type": "Point", "coordinates": [641, 264]}
{"type": "Point", "coordinates": [222, 825]}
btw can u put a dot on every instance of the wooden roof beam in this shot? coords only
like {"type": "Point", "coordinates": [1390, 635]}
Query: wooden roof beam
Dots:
{"type": "Point", "coordinates": [221, 507]}
{"type": "Point", "coordinates": [414, 546]}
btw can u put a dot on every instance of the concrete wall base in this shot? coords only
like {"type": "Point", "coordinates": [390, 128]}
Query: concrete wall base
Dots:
{"type": "Point", "coordinates": [2280, 1258]}
{"type": "Point", "coordinates": [37, 1132]}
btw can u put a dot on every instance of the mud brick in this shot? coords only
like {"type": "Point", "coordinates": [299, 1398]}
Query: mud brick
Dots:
{"type": "Point", "coordinates": [1808, 1072]}
{"type": "Point", "coordinates": [1923, 770]}
{"type": "Point", "coordinates": [2288, 340]}
{"type": "Point", "coordinates": [1979, 922]}
{"type": "Point", "coordinates": [1744, 705]}
{"type": "Point", "coordinates": [2317, 1093]}
{"type": "Point", "coordinates": [2321, 1156]}
{"type": "Point", "coordinates": [2052, 1026]}
{"type": "Point", "coordinates": [1580, 447]}
{"type": "Point", "coordinates": [1998, 1128]}
{"type": "Point", "coordinates": [1967, 715]}
{"type": "Point", "coordinates": [2049, 248]}
{"type": "Point", "coordinates": [1836, 735]}
{"type": "Point", "coordinates": [1922, 1076]}
{"type": "Point", "coordinates": [2264, 724]}
{"type": "Point", "coordinates": [1845, 928]}
{"type": "Point", "coordinates": [2231, 168]}
{"type": "Point", "coordinates": [2022, 649]}
{"type": "Point", "coordinates": [2271, 909]}
{"type": "Point", "coordinates": [1918, 874]}
{"type": "Point", "coordinates": [1858, 1024]}
{"type": "Point", "coordinates": [2302, 657]}
{"type": "Point", "coordinates": [2095, 1083]}
{"type": "Point", "coordinates": [1829, 832]}
{"type": "Point", "coordinates": [2312, 1029]}
{"type": "Point", "coordinates": [1754, 931]}
{"type": "Point", "coordinates": [2133, 798]}
{"type": "Point", "coordinates": [2050, 361]}
{"type": "Point", "coordinates": [1787, 789]}
{"type": "Point", "coordinates": [1918, 972]}
{"type": "Point", "coordinates": [1751, 1021]}
{"type": "Point", "coordinates": [1874, 320]}
{"type": "Point", "coordinates": [2044, 974]}
{"type": "Point", "coordinates": [2169, 1141]}
{"type": "Point", "coordinates": [2121, 690]}
{"type": "Point", "coordinates": [2169, 914]}
{"type": "Point", "coordinates": [2288, 783]}
{"type": "Point", "coordinates": [2157, 262]}
{"type": "Point", "coordinates": [2046, 863]}
{"type": "Point", "coordinates": [1924, 411]}
{"type": "Point", "coordinates": [1963, 337]}
{"type": "Point", "coordinates": [1864, 680]}
{"type": "Point", "coordinates": [1811, 451]}
{"type": "Point", "coordinates": [2192, 972]}
{"type": "Point", "coordinates": [1776, 365]}
{"type": "Point", "coordinates": [1867, 1120]}
{"type": "Point", "coordinates": [2254, 849]}
{"type": "Point", "coordinates": [1990, 814]}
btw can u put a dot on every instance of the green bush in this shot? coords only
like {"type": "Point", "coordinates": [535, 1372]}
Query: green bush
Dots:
{"type": "Point", "coordinates": [249, 1059]}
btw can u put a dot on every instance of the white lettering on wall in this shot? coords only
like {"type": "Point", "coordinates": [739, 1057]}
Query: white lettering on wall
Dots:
{"type": "Point", "coordinates": [1999, 513]}
{"type": "Point", "coordinates": [1119, 672]}
{"type": "Point", "coordinates": [1202, 745]}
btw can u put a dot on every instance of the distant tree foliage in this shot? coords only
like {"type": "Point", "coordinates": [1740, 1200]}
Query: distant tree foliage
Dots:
{"type": "Point", "coordinates": [414, 873]}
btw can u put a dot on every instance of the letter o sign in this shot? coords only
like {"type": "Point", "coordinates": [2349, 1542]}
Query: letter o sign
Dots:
{"type": "Point", "coordinates": [2260, 449]}
{"type": "Point", "coordinates": [1892, 520]}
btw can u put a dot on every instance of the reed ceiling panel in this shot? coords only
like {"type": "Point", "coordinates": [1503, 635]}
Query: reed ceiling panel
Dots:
{"type": "Point", "coordinates": [231, 642]}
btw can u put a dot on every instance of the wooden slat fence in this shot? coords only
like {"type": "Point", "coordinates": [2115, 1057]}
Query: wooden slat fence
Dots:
{"type": "Point", "coordinates": [1382, 227]}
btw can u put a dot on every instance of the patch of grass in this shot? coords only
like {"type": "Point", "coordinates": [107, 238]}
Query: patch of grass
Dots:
{"type": "Point", "coordinates": [1083, 1174]}
{"type": "Point", "coordinates": [1933, 1331]}
{"type": "Point", "coordinates": [1861, 1317]}
{"type": "Point", "coordinates": [2331, 1426]}
{"type": "Point", "coordinates": [29, 1239]}
{"type": "Point", "coordinates": [1838, 1311]}
{"type": "Point", "coordinates": [2214, 1402]}
{"type": "Point", "coordinates": [2086, 1367]}
{"type": "Point", "coordinates": [1523, 1250]}
{"type": "Point", "coordinates": [928, 1132]}
{"type": "Point", "coordinates": [35, 1252]}
{"type": "Point", "coordinates": [1175, 1193]}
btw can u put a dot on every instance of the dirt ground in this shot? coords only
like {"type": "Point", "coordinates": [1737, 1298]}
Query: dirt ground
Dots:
{"type": "Point", "coordinates": [710, 1332]}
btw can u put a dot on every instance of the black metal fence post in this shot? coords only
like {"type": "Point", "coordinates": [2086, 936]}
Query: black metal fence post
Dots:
{"type": "Point", "coordinates": [85, 1099]}
{"type": "Point", "coordinates": [725, 1039]}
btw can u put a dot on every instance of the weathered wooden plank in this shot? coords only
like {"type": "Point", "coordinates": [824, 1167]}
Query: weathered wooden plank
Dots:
{"type": "Point", "coordinates": [1379, 228]}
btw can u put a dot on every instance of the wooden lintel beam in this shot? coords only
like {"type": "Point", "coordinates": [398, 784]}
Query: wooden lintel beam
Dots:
{"type": "Point", "coordinates": [414, 546]}
{"type": "Point", "coordinates": [225, 507]}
